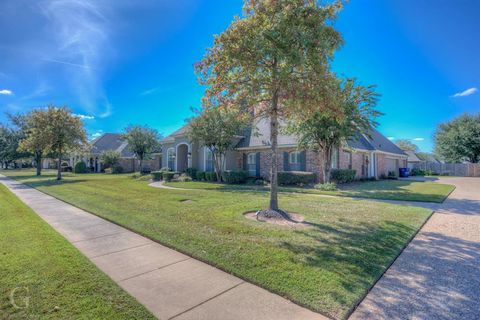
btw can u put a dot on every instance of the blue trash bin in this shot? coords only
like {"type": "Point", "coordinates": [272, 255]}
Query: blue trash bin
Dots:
{"type": "Point", "coordinates": [404, 172]}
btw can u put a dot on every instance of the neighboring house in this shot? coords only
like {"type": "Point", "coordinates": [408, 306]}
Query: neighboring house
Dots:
{"type": "Point", "coordinates": [370, 155]}
{"type": "Point", "coordinates": [413, 160]}
{"type": "Point", "coordinates": [115, 142]}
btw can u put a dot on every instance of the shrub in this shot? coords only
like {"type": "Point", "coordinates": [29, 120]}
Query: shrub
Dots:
{"type": "Point", "coordinates": [342, 175]}
{"type": "Point", "coordinates": [80, 167]}
{"type": "Point", "coordinates": [116, 169]}
{"type": "Point", "coordinates": [157, 175]}
{"type": "Point", "coordinates": [392, 175]}
{"type": "Point", "coordinates": [383, 176]}
{"type": "Point", "coordinates": [108, 170]}
{"type": "Point", "coordinates": [233, 177]}
{"type": "Point", "coordinates": [200, 176]}
{"type": "Point", "coordinates": [417, 172]}
{"type": "Point", "coordinates": [110, 158]}
{"type": "Point", "coordinates": [295, 177]}
{"type": "Point", "coordinates": [191, 172]}
{"type": "Point", "coordinates": [210, 176]}
{"type": "Point", "coordinates": [167, 175]}
{"type": "Point", "coordinates": [184, 178]}
{"type": "Point", "coordinates": [330, 186]}
{"type": "Point", "coordinates": [165, 169]}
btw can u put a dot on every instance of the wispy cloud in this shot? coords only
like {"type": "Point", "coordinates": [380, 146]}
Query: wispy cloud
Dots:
{"type": "Point", "coordinates": [84, 117]}
{"type": "Point", "coordinates": [465, 93]}
{"type": "Point", "coordinates": [6, 92]}
{"type": "Point", "coordinates": [96, 134]}
{"type": "Point", "coordinates": [391, 138]}
{"type": "Point", "coordinates": [418, 139]}
{"type": "Point", "coordinates": [149, 91]}
{"type": "Point", "coordinates": [82, 31]}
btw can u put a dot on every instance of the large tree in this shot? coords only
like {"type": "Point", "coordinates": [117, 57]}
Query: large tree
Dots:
{"type": "Point", "coordinates": [406, 145]}
{"type": "Point", "coordinates": [64, 133]}
{"type": "Point", "coordinates": [9, 140]}
{"type": "Point", "coordinates": [216, 128]}
{"type": "Point", "coordinates": [267, 59]}
{"type": "Point", "coordinates": [324, 131]}
{"type": "Point", "coordinates": [142, 141]}
{"type": "Point", "coordinates": [459, 139]}
{"type": "Point", "coordinates": [36, 139]}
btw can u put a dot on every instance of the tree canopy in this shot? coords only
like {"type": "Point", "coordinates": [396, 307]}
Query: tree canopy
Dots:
{"type": "Point", "coordinates": [459, 139]}
{"type": "Point", "coordinates": [216, 128]}
{"type": "Point", "coordinates": [271, 60]}
{"type": "Point", "coordinates": [406, 145]}
{"type": "Point", "coordinates": [142, 141]}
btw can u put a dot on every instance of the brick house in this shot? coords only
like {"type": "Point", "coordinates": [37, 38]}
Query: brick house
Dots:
{"type": "Point", "coordinates": [115, 142]}
{"type": "Point", "coordinates": [370, 155]}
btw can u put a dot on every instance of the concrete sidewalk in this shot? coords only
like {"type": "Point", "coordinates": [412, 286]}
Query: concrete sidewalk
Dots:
{"type": "Point", "coordinates": [438, 275]}
{"type": "Point", "coordinates": [170, 284]}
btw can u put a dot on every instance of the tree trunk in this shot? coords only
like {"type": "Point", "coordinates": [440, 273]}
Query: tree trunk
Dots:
{"type": "Point", "coordinates": [218, 166]}
{"type": "Point", "coordinates": [38, 161]}
{"type": "Point", "coordinates": [141, 165]}
{"type": "Point", "coordinates": [326, 163]}
{"type": "Point", "coordinates": [273, 147]}
{"type": "Point", "coordinates": [59, 171]}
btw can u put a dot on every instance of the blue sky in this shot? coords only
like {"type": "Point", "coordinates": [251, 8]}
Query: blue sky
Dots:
{"type": "Point", "coordinates": [120, 62]}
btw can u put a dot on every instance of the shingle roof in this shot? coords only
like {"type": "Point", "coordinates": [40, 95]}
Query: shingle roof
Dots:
{"type": "Point", "coordinates": [111, 141]}
{"type": "Point", "coordinates": [412, 157]}
{"type": "Point", "coordinates": [260, 137]}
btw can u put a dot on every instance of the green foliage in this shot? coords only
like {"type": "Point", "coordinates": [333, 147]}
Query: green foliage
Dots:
{"type": "Point", "coordinates": [191, 172]}
{"type": "Point", "coordinates": [200, 176]}
{"type": "Point", "coordinates": [270, 61]}
{"type": "Point", "coordinates": [210, 176]}
{"type": "Point", "coordinates": [233, 177]}
{"type": "Point", "coordinates": [459, 139]}
{"type": "Point", "coordinates": [142, 141]}
{"type": "Point", "coordinates": [296, 178]}
{"type": "Point", "coordinates": [406, 145]}
{"type": "Point", "coordinates": [343, 175]}
{"type": "Point", "coordinates": [167, 175]}
{"type": "Point", "coordinates": [157, 175]}
{"type": "Point", "coordinates": [184, 178]}
{"type": "Point", "coordinates": [117, 169]}
{"type": "Point", "coordinates": [80, 167]}
{"type": "Point", "coordinates": [417, 172]}
{"type": "Point", "coordinates": [110, 158]}
{"type": "Point", "coordinates": [392, 175]}
{"type": "Point", "coordinates": [108, 170]}
{"type": "Point", "coordinates": [329, 186]}
{"type": "Point", "coordinates": [165, 169]}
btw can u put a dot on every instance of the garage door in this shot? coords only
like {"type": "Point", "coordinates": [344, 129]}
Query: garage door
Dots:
{"type": "Point", "coordinates": [392, 165]}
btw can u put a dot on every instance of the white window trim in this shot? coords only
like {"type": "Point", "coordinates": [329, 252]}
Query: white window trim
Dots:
{"type": "Point", "coordinates": [168, 158]}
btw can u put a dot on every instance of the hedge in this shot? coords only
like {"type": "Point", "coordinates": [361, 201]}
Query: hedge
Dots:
{"type": "Point", "coordinates": [80, 167]}
{"type": "Point", "coordinates": [233, 177]}
{"type": "Point", "coordinates": [117, 169]}
{"type": "Point", "coordinates": [157, 175]}
{"type": "Point", "coordinates": [200, 175]}
{"type": "Point", "coordinates": [295, 177]}
{"type": "Point", "coordinates": [191, 172]}
{"type": "Point", "coordinates": [343, 175]}
{"type": "Point", "coordinates": [210, 176]}
{"type": "Point", "coordinates": [167, 175]}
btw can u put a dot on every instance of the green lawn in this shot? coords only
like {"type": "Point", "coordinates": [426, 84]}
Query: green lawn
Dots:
{"type": "Point", "coordinates": [383, 189]}
{"type": "Point", "coordinates": [327, 267]}
{"type": "Point", "coordinates": [39, 267]}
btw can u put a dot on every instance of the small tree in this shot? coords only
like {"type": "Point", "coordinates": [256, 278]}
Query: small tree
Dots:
{"type": "Point", "coordinates": [323, 132]}
{"type": "Point", "coordinates": [35, 140]}
{"type": "Point", "coordinates": [110, 158]}
{"type": "Point", "coordinates": [406, 145]}
{"type": "Point", "coordinates": [216, 128]}
{"type": "Point", "coordinates": [9, 141]}
{"type": "Point", "coordinates": [459, 139]}
{"type": "Point", "coordinates": [63, 132]}
{"type": "Point", "coordinates": [266, 60]}
{"type": "Point", "coordinates": [142, 141]}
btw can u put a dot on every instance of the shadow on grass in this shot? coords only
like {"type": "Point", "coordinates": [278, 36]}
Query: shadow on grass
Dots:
{"type": "Point", "coordinates": [46, 181]}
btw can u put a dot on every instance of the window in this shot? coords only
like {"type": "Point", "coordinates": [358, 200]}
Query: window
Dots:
{"type": "Point", "coordinates": [252, 164]}
{"type": "Point", "coordinates": [348, 159]}
{"type": "Point", "coordinates": [335, 159]}
{"type": "Point", "coordinates": [294, 161]}
{"type": "Point", "coordinates": [208, 160]}
{"type": "Point", "coordinates": [171, 159]}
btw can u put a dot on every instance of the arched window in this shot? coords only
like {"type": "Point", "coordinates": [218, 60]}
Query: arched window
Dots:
{"type": "Point", "coordinates": [294, 161]}
{"type": "Point", "coordinates": [171, 159]}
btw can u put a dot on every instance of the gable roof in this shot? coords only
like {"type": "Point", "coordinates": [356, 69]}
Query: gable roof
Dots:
{"type": "Point", "coordinates": [412, 156]}
{"type": "Point", "coordinates": [111, 141]}
{"type": "Point", "coordinates": [259, 137]}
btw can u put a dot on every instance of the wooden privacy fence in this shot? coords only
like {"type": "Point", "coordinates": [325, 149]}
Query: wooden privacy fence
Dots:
{"type": "Point", "coordinates": [452, 169]}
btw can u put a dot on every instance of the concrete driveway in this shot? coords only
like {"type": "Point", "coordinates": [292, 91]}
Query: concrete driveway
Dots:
{"type": "Point", "coordinates": [438, 274]}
